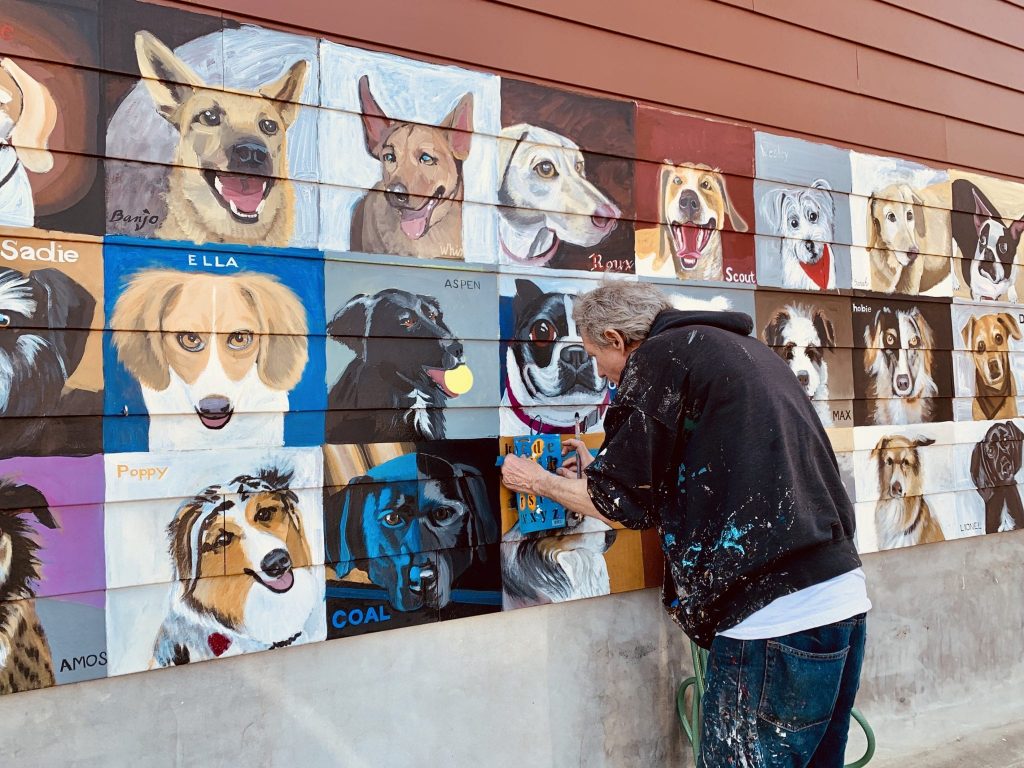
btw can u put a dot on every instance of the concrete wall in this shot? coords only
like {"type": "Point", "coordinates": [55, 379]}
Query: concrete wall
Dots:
{"type": "Point", "coordinates": [585, 684]}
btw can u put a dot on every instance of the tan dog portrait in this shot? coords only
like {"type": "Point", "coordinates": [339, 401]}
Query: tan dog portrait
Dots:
{"type": "Point", "coordinates": [988, 339]}
{"type": "Point", "coordinates": [902, 515]}
{"type": "Point", "coordinates": [416, 208]}
{"type": "Point", "coordinates": [28, 116]}
{"type": "Point", "coordinates": [216, 353]}
{"type": "Point", "coordinates": [693, 204]}
{"type": "Point", "coordinates": [230, 177]}
{"type": "Point", "coordinates": [897, 229]}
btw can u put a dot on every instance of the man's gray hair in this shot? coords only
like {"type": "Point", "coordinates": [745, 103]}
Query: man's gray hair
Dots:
{"type": "Point", "coordinates": [623, 306]}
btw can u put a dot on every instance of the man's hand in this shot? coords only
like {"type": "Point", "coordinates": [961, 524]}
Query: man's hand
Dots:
{"type": "Point", "coordinates": [521, 475]}
{"type": "Point", "coordinates": [575, 452]}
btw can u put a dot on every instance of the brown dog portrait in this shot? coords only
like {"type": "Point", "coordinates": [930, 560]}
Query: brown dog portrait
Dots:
{"type": "Point", "coordinates": [988, 339]}
{"type": "Point", "coordinates": [693, 204]}
{"type": "Point", "coordinates": [902, 515]}
{"type": "Point", "coordinates": [897, 229]}
{"type": "Point", "coordinates": [416, 208]}
{"type": "Point", "coordinates": [230, 177]}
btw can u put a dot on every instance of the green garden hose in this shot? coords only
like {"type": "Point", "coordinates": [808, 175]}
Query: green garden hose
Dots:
{"type": "Point", "coordinates": [689, 715]}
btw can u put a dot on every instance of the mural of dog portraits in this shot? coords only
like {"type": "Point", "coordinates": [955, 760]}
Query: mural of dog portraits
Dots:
{"type": "Point", "coordinates": [801, 335]}
{"type": "Point", "coordinates": [898, 360]}
{"type": "Point", "coordinates": [407, 364]}
{"type": "Point", "coordinates": [416, 209]}
{"type": "Point", "coordinates": [233, 347]}
{"type": "Point", "coordinates": [545, 197]}
{"type": "Point", "coordinates": [988, 245]}
{"type": "Point", "coordinates": [28, 116]}
{"type": "Point", "coordinates": [988, 339]}
{"type": "Point", "coordinates": [995, 462]}
{"type": "Point", "coordinates": [896, 223]}
{"type": "Point", "coordinates": [252, 526]}
{"type": "Point", "coordinates": [415, 523]}
{"type": "Point", "coordinates": [693, 203]}
{"type": "Point", "coordinates": [38, 354]}
{"type": "Point", "coordinates": [25, 658]}
{"type": "Point", "coordinates": [546, 567]}
{"type": "Point", "coordinates": [805, 220]}
{"type": "Point", "coordinates": [547, 365]}
{"type": "Point", "coordinates": [902, 516]}
{"type": "Point", "coordinates": [229, 182]}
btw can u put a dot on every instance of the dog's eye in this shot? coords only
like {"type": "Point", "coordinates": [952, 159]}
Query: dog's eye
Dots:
{"type": "Point", "coordinates": [890, 217]}
{"type": "Point", "coordinates": [676, 180]}
{"type": "Point", "coordinates": [389, 157]}
{"type": "Point", "coordinates": [269, 127]}
{"type": "Point", "coordinates": [705, 184]}
{"type": "Point", "coordinates": [910, 215]}
{"type": "Point", "coordinates": [264, 515]}
{"type": "Point", "coordinates": [981, 346]}
{"type": "Point", "coordinates": [392, 519]}
{"type": "Point", "coordinates": [224, 539]}
{"type": "Point", "coordinates": [812, 216]}
{"type": "Point", "coordinates": [545, 169]}
{"type": "Point", "coordinates": [428, 159]}
{"type": "Point", "coordinates": [915, 342]}
{"type": "Point", "coordinates": [999, 338]}
{"type": "Point", "coordinates": [890, 339]}
{"type": "Point", "coordinates": [794, 222]}
{"type": "Point", "coordinates": [984, 240]}
{"type": "Point", "coordinates": [191, 342]}
{"type": "Point", "coordinates": [904, 463]}
{"type": "Point", "coordinates": [888, 461]}
{"type": "Point", "coordinates": [240, 340]}
{"type": "Point", "coordinates": [5, 320]}
{"type": "Point", "coordinates": [542, 333]}
{"type": "Point", "coordinates": [407, 321]}
{"type": "Point", "coordinates": [788, 350]}
{"type": "Point", "coordinates": [442, 514]}
{"type": "Point", "coordinates": [210, 117]}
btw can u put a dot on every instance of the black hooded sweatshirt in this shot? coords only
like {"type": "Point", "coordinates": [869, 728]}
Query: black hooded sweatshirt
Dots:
{"type": "Point", "coordinates": [712, 439]}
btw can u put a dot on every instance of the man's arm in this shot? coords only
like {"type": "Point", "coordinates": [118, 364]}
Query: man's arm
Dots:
{"type": "Point", "coordinates": [525, 476]}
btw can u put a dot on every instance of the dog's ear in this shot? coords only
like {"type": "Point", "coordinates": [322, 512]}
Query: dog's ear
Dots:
{"type": "Point", "coordinates": [918, 207]}
{"type": "Point", "coordinates": [350, 325]}
{"type": "Point", "coordinates": [283, 338]}
{"type": "Point", "coordinates": [968, 332]}
{"type": "Point", "coordinates": [872, 341]}
{"type": "Point", "coordinates": [287, 90]}
{"type": "Point", "coordinates": [354, 497]}
{"type": "Point", "coordinates": [333, 520]}
{"type": "Point", "coordinates": [71, 307]}
{"type": "Point", "coordinates": [1016, 228]}
{"type": "Point", "coordinates": [527, 292]}
{"type": "Point", "coordinates": [1011, 324]}
{"type": "Point", "coordinates": [170, 80]}
{"type": "Point", "coordinates": [981, 211]}
{"type": "Point", "coordinates": [826, 331]}
{"type": "Point", "coordinates": [927, 338]}
{"type": "Point", "coordinates": [668, 170]}
{"type": "Point", "coordinates": [23, 499]}
{"type": "Point", "coordinates": [924, 441]}
{"type": "Point", "coordinates": [459, 123]}
{"type": "Point", "coordinates": [38, 118]}
{"type": "Point", "coordinates": [979, 472]}
{"type": "Point", "coordinates": [737, 221]}
{"type": "Point", "coordinates": [376, 125]}
{"type": "Point", "coordinates": [881, 445]}
{"type": "Point", "coordinates": [137, 323]}
{"type": "Point", "coordinates": [772, 203]}
{"type": "Point", "coordinates": [483, 527]}
{"type": "Point", "coordinates": [772, 333]}
{"type": "Point", "coordinates": [874, 223]}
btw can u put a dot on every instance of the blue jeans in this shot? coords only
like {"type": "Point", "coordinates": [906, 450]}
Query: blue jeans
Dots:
{"type": "Point", "coordinates": [782, 702]}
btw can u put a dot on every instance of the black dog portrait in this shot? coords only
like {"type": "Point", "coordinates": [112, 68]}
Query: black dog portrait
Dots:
{"type": "Point", "coordinates": [399, 383]}
{"type": "Point", "coordinates": [995, 462]}
{"type": "Point", "coordinates": [44, 325]}
{"type": "Point", "coordinates": [415, 524]}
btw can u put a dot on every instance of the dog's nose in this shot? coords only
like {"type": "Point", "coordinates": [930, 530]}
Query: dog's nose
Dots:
{"type": "Point", "coordinates": [993, 368]}
{"type": "Point", "coordinates": [897, 488]}
{"type": "Point", "coordinates": [912, 253]}
{"type": "Point", "coordinates": [454, 348]}
{"type": "Point", "coordinates": [903, 382]}
{"type": "Point", "coordinates": [398, 193]}
{"type": "Point", "coordinates": [604, 217]}
{"type": "Point", "coordinates": [214, 405]}
{"type": "Point", "coordinates": [276, 563]}
{"type": "Point", "coordinates": [809, 246]}
{"type": "Point", "coordinates": [803, 377]}
{"type": "Point", "coordinates": [689, 203]}
{"type": "Point", "coordinates": [250, 155]}
{"type": "Point", "coordinates": [575, 356]}
{"type": "Point", "coordinates": [421, 576]}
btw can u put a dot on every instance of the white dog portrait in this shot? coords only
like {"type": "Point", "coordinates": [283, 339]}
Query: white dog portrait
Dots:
{"type": "Point", "coordinates": [545, 197]}
{"type": "Point", "coordinates": [802, 335]}
{"type": "Point", "coordinates": [804, 219]}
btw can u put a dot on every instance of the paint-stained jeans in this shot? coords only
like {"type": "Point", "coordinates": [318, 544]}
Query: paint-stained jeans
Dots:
{"type": "Point", "coordinates": [782, 702]}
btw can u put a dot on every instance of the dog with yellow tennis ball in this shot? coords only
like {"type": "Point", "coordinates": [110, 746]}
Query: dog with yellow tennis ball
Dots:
{"type": "Point", "coordinates": [407, 364]}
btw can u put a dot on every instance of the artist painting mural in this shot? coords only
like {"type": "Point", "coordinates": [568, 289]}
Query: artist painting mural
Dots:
{"type": "Point", "coordinates": [272, 309]}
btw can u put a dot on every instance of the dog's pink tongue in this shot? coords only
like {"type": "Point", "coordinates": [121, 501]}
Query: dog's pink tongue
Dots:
{"type": "Point", "coordinates": [282, 583]}
{"type": "Point", "coordinates": [246, 192]}
{"type": "Point", "coordinates": [414, 223]}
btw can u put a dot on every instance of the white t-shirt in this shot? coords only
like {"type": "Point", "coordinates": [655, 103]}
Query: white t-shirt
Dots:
{"type": "Point", "coordinates": [815, 606]}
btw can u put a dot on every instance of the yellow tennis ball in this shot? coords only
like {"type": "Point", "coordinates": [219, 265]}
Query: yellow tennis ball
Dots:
{"type": "Point", "coordinates": [459, 380]}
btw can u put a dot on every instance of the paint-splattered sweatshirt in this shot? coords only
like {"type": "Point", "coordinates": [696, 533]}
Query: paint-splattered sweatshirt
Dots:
{"type": "Point", "coordinates": [712, 440]}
